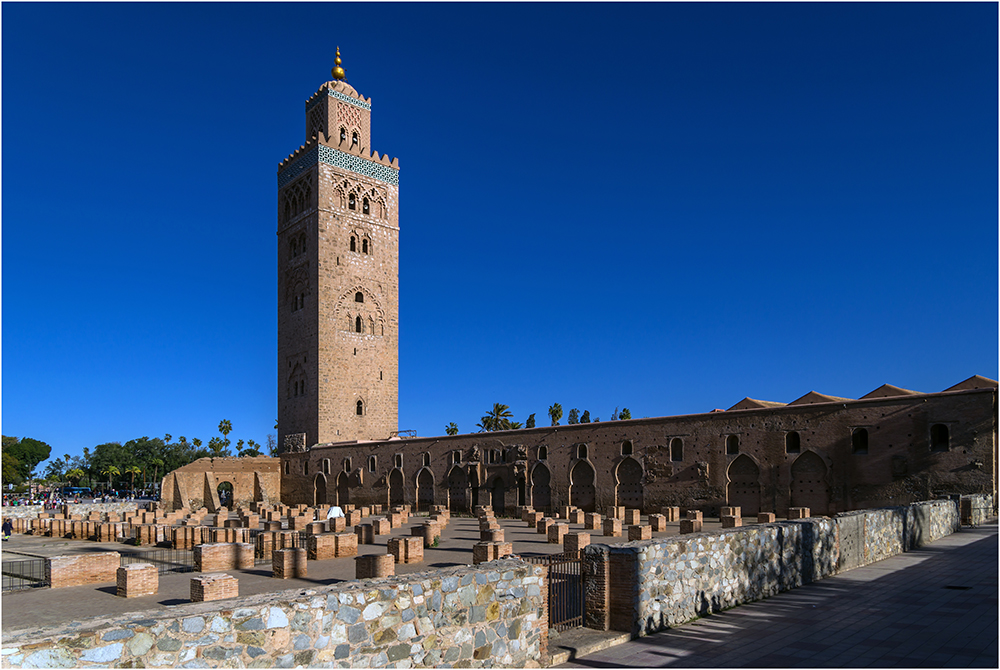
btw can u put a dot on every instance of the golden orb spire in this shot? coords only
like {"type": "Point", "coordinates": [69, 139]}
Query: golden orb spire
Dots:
{"type": "Point", "coordinates": [338, 72]}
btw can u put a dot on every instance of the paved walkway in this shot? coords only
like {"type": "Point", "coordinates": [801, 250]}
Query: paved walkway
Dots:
{"type": "Point", "coordinates": [934, 607]}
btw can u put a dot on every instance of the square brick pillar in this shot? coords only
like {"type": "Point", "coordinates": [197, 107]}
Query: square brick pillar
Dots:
{"type": "Point", "coordinates": [765, 517]}
{"type": "Point", "coordinates": [631, 517]}
{"type": "Point", "coordinates": [658, 523]}
{"type": "Point", "coordinates": [264, 544]}
{"type": "Point", "coordinates": [353, 517]}
{"type": "Point", "coordinates": [532, 519]}
{"type": "Point", "coordinates": [640, 533]}
{"type": "Point", "coordinates": [272, 526]}
{"type": "Point", "coordinates": [618, 512]}
{"type": "Point", "coordinates": [574, 542]}
{"type": "Point", "coordinates": [137, 580]}
{"type": "Point", "coordinates": [691, 526]}
{"type": "Point", "coordinates": [592, 521]}
{"type": "Point", "coordinates": [322, 547]}
{"type": "Point", "coordinates": [406, 549]}
{"type": "Point", "coordinates": [288, 563]}
{"type": "Point", "coordinates": [612, 528]}
{"type": "Point", "coordinates": [525, 511]}
{"type": "Point", "coordinates": [542, 527]}
{"type": "Point", "coordinates": [337, 524]}
{"type": "Point", "coordinates": [730, 511]}
{"type": "Point", "coordinates": [488, 523]}
{"type": "Point", "coordinates": [381, 525]}
{"type": "Point", "coordinates": [798, 512]}
{"type": "Point", "coordinates": [345, 544]}
{"type": "Point", "coordinates": [672, 513]}
{"type": "Point", "coordinates": [576, 516]}
{"type": "Point", "coordinates": [298, 522]}
{"type": "Point", "coordinates": [557, 532]}
{"type": "Point", "coordinates": [484, 552]}
{"type": "Point", "coordinates": [491, 535]}
{"type": "Point", "coordinates": [316, 528]}
{"type": "Point", "coordinates": [731, 521]}
{"type": "Point", "coordinates": [695, 515]}
{"type": "Point", "coordinates": [365, 533]}
{"type": "Point", "coordinates": [286, 539]}
{"type": "Point", "coordinates": [214, 587]}
{"type": "Point", "coordinates": [374, 566]}
{"type": "Point", "coordinates": [395, 519]}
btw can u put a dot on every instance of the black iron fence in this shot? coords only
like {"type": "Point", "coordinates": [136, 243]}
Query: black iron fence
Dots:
{"type": "Point", "coordinates": [566, 594]}
{"type": "Point", "coordinates": [24, 573]}
{"type": "Point", "coordinates": [165, 560]}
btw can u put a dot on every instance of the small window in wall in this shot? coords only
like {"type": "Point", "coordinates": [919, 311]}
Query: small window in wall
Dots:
{"type": "Point", "coordinates": [627, 448]}
{"type": "Point", "coordinates": [677, 449]}
{"type": "Point", "coordinates": [859, 441]}
{"type": "Point", "coordinates": [359, 297]}
{"type": "Point", "coordinates": [357, 329]}
{"type": "Point", "coordinates": [343, 134]}
{"type": "Point", "coordinates": [456, 457]}
{"type": "Point", "coordinates": [354, 139]}
{"type": "Point", "coordinates": [793, 443]}
{"type": "Point", "coordinates": [543, 453]}
{"type": "Point", "coordinates": [733, 444]}
{"type": "Point", "coordinates": [398, 460]}
{"type": "Point", "coordinates": [939, 437]}
{"type": "Point", "coordinates": [305, 467]}
{"type": "Point", "coordinates": [364, 246]}
{"type": "Point", "coordinates": [326, 466]}
{"type": "Point", "coordinates": [286, 467]}
{"type": "Point", "coordinates": [352, 201]}
{"type": "Point", "coordinates": [581, 451]}
{"type": "Point", "coordinates": [347, 465]}
{"type": "Point", "coordinates": [493, 456]}
{"type": "Point", "coordinates": [359, 408]}
{"type": "Point", "coordinates": [426, 460]}
{"type": "Point", "coordinates": [364, 206]}
{"type": "Point", "coordinates": [372, 463]}
{"type": "Point", "coordinates": [354, 244]}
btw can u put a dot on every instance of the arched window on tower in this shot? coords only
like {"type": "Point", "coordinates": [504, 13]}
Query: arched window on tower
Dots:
{"type": "Point", "coordinates": [357, 328]}
{"type": "Point", "coordinates": [364, 206]}
{"type": "Point", "coordinates": [627, 448]}
{"type": "Point", "coordinates": [359, 297]}
{"type": "Point", "coordinates": [354, 139]}
{"type": "Point", "coordinates": [352, 201]}
{"type": "Point", "coordinates": [343, 134]}
{"type": "Point", "coordinates": [733, 444]}
{"type": "Point", "coordinates": [359, 408]}
{"type": "Point", "coordinates": [581, 451]}
{"type": "Point", "coordinates": [364, 246]}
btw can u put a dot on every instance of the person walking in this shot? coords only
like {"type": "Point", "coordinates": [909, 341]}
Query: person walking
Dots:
{"type": "Point", "coordinates": [8, 528]}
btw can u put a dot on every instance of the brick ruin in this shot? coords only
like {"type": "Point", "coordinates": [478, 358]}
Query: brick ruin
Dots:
{"type": "Point", "coordinates": [197, 484]}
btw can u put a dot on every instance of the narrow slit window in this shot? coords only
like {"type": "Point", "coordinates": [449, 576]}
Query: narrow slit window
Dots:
{"type": "Point", "coordinates": [359, 408]}
{"type": "Point", "coordinates": [677, 449]}
{"type": "Point", "coordinates": [733, 444]}
{"type": "Point", "coordinates": [793, 443]}
{"type": "Point", "coordinates": [859, 441]}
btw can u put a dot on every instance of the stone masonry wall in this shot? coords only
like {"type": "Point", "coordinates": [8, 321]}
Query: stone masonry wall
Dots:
{"type": "Point", "coordinates": [488, 615]}
{"type": "Point", "coordinates": [679, 578]}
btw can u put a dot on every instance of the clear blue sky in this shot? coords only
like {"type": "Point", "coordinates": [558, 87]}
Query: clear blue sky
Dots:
{"type": "Point", "coordinates": [661, 206]}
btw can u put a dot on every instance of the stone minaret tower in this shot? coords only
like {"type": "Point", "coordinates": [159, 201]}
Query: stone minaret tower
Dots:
{"type": "Point", "coordinates": [338, 277]}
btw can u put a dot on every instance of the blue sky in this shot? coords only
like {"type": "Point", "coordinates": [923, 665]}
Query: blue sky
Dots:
{"type": "Point", "coordinates": [661, 206]}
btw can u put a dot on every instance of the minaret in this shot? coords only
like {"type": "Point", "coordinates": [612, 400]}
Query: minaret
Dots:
{"type": "Point", "coordinates": [338, 277]}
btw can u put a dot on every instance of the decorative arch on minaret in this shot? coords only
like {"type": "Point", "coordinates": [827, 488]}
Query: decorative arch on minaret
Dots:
{"type": "Point", "coordinates": [367, 312]}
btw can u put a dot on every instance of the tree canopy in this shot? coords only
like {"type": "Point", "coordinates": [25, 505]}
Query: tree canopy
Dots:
{"type": "Point", "coordinates": [27, 452]}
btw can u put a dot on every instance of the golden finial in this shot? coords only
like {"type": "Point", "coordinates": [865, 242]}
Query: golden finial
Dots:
{"type": "Point", "coordinates": [337, 71]}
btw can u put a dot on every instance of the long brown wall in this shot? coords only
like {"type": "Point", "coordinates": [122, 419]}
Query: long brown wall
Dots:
{"type": "Point", "coordinates": [196, 484]}
{"type": "Point", "coordinates": [588, 465]}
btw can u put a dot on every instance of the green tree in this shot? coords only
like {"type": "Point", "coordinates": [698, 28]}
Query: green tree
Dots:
{"type": "Point", "coordinates": [530, 423]}
{"type": "Point", "coordinates": [29, 453]}
{"type": "Point", "coordinates": [574, 416]}
{"type": "Point", "coordinates": [555, 413]}
{"type": "Point", "coordinates": [585, 417]}
{"type": "Point", "coordinates": [110, 471]}
{"type": "Point", "coordinates": [225, 427]}
{"type": "Point", "coordinates": [157, 463]}
{"type": "Point", "coordinates": [252, 449]}
{"type": "Point", "coordinates": [625, 414]}
{"type": "Point", "coordinates": [133, 470]}
{"type": "Point", "coordinates": [497, 418]}
{"type": "Point", "coordinates": [272, 444]}
{"type": "Point", "coordinates": [451, 428]}
{"type": "Point", "coordinates": [218, 447]}
{"type": "Point", "coordinates": [75, 475]}
{"type": "Point", "coordinates": [11, 469]}
{"type": "Point", "coordinates": [614, 415]}
{"type": "Point", "coordinates": [196, 442]}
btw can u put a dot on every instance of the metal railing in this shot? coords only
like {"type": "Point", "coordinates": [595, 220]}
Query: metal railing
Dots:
{"type": "Point", "coordinates": [25, 573]}
{"type": "Point", "coordinates": [566, 592]}
{"type": "Point", "coordinates": [165, 560]}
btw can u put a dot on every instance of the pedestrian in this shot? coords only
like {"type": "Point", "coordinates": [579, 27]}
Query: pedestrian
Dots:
{"type": "Point", "coordinates": [8, 528]}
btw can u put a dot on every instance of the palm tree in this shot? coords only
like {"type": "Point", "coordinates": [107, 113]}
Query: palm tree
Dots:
{"type": "Point", "coordinates": [75, 475]}
{"type": "Point", "coordinates": [225, 427]}
{"type": "Point", "coordinates": [497, 418]}
{"type": "Point", "coordinates": [451, 428]}
{"type": "Point", "coordinates": [111, 471]}
{"type": "Point", "coordinates": [555, 413]}
{"type": "Point", "coordinates": [157, 463]}
{"type": "Point", "coordinates": [133, 470]}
